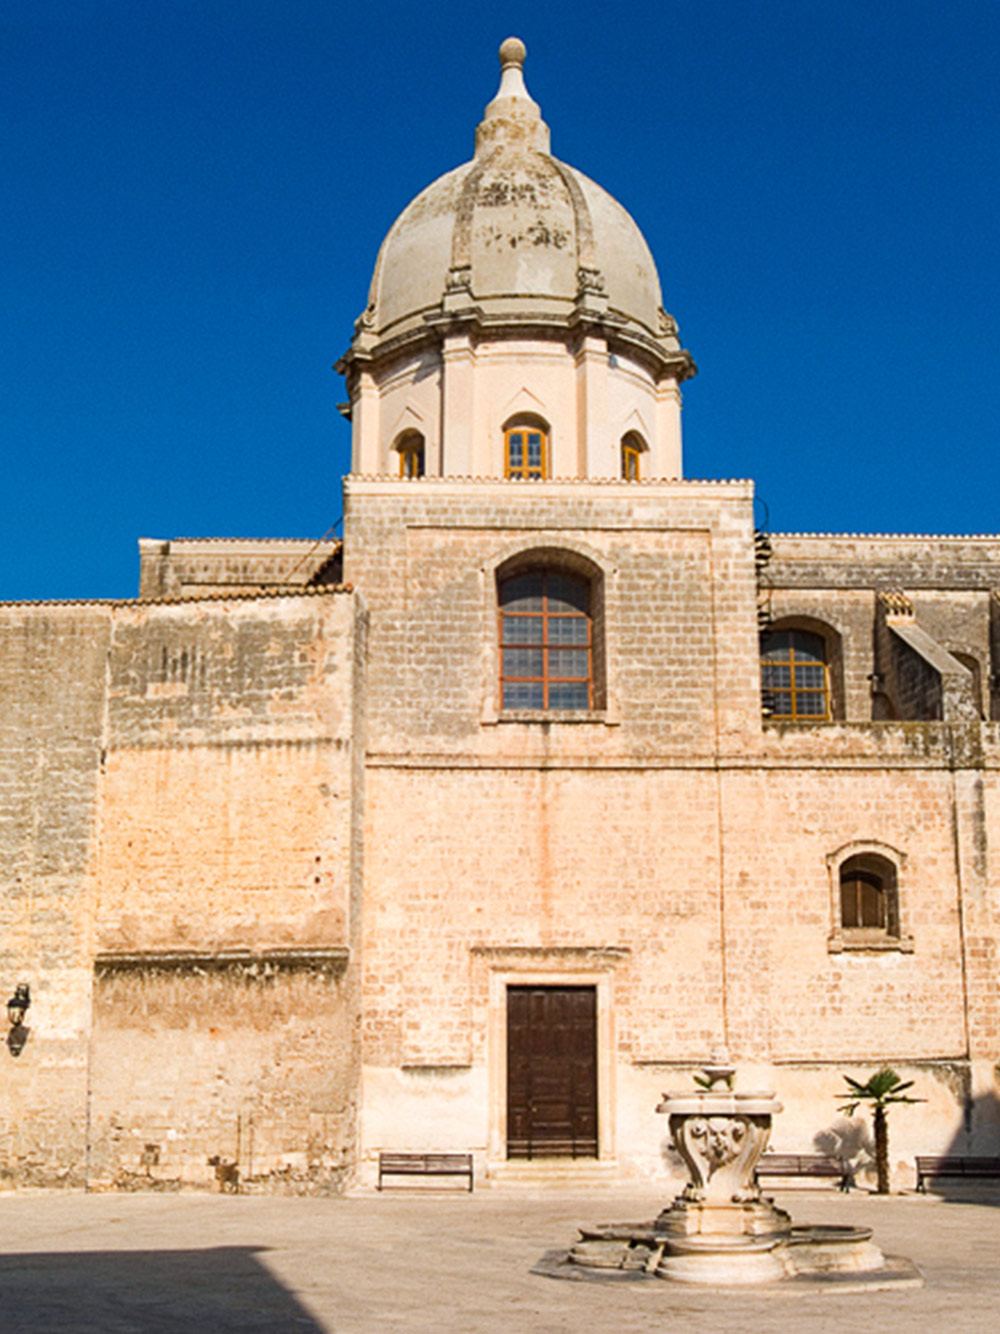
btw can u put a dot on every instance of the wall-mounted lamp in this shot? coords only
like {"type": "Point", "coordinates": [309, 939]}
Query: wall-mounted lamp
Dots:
{"type": "Point", "coordinates": [17, 1006]}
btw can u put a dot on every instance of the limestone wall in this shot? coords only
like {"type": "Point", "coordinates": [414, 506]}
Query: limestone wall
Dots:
{"type": "Point", "coordinates": [831, 584]}
{"type": "Point", "coordinates": [672, 851]}
{"type": "Point", "coordinates": [184, 810]}
{"type": "Point", "coordinates": [53, 662]}
{"type": "Point", "coordinates": [678, 591]}
{"type": "Point", "coordinates": [198, 567]}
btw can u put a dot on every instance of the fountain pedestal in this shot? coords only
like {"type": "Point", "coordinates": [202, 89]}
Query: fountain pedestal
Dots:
{"type": "Point", "coordinates": [720, 1230]}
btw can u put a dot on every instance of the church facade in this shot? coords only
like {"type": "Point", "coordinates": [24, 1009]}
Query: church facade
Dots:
{"type": "Point", "coordinates": [478, 829]}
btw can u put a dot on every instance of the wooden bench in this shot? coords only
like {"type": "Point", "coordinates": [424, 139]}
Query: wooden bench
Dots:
{"type": "Point", "coordinates": [425, 1165]}
{"type": "Point", "coordinates": [804, 1165]}
{"type": "Point", "coordinates": [949, 1166]}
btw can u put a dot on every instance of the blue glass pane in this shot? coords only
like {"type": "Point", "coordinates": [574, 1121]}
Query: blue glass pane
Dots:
{"type": "Point", "coordinates": [522, 629]}
{"type": "Point", "coordinates": [811, 705]}
{"type": "Point", "coordinates": [522, 662]}
{"type": "Point", "coordinates": [566, 593]}
{"type": "Point", "coordinates": [568, 629]}
{"type": "Point", "coordinates": [569, 695]}
{"type": "Point", "coordinates": [568, 662]}
{"type": "Point", "coordinates": [809, 676]}
{"type": "Point", "coordinates": [523, 695]}
{"type": "Point", "coordinates": [776, 645]}
{"type": "Point", "coordinates": [808, 646]}
{"type": "Point", "coordinates": [776, 674]}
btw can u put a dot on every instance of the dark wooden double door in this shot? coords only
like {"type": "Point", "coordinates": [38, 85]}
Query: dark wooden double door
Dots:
{"type": "Point", "coordinates": [551, 1072]}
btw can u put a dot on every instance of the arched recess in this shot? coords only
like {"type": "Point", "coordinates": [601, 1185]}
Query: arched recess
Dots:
{"type": "Point", "coordinates": [867, 897]}
{"type": "Point", "coordinates": [802, 671]}
{"type": "Point", "coordinates": [551, 644]}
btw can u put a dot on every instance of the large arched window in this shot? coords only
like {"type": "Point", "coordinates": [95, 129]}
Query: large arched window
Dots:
{"type": "Point", "coordinates": [795, 676]}
{"type": "Point", "coordinates": [546, 639]}
{"type": "Point", "coordinates": [526, 448]}
{"type": "Point", "coordinates": [410, 448]}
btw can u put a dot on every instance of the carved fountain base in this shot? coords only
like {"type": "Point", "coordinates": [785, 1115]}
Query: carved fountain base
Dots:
{"type": "Point", "coordinates": [721, 1231]}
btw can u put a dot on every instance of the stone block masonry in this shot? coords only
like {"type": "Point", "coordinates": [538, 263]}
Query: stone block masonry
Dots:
{"type": "Point", "coordinates": [179, 806]}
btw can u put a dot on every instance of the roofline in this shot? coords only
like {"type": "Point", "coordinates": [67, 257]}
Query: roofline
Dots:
{"type": "Point", "coordinates": [237, 595]}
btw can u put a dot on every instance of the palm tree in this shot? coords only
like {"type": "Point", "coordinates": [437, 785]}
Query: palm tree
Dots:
{"type": "Point", "coordinates": [881, 1091]}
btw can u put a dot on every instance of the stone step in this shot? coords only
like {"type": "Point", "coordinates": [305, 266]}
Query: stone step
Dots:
{"type": "Point", "coordinates": [550, 1174]}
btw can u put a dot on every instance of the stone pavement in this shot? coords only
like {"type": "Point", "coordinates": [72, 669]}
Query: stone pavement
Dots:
{"type": "Point", "coordinates": [445, 1262]}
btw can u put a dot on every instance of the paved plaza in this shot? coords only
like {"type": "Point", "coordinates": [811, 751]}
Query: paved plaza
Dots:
{"type": "Point", "coordinates": [442, 1262]}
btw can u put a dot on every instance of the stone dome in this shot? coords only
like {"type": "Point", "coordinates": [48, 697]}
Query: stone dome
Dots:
{"type": "Point", "coordinates": [515, 237]}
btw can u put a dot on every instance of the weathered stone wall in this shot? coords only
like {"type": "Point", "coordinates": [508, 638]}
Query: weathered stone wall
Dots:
{"type": "Point", "coordinates": [53, 662]}
{"type": "Point", "coordinates": [232, 1074]}
{"type": "Point", "coordinates": [198, 567]}
{"type": "Point", "coordinates": [832, 582]}
{"type": "Point", "coordinates": [715, 890]}
{"type": "Point", "coordinates": [209, 807]}
{"type": "Point", "coordinates": [227, 787]}
{"type": "Point", "coordinates": [679, 596]}
{"type": "Point", "coordinates": [227, 816]}
{"type": "Point", "coordinates": [183, 805]}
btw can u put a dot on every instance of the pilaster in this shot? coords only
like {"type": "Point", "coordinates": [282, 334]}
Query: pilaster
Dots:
{"type": "Point", "coordinates": [596, 454]}
{"type": "Point", "coordinates": [457, 405]}
{"type": "Point", "coordinates": [667, 455]}
{"type": "Point", "coordinates": [365, 425]}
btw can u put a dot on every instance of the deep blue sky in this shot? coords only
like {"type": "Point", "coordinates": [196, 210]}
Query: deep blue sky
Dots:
{"type": "Point", "coordinates": [195, 191]}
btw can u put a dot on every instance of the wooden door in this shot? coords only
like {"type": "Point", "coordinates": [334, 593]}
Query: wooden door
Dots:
{"type": "Point", "coordinates": [551, 1072]}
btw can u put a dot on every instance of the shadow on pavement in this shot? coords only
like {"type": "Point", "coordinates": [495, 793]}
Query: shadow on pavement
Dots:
{"type": "Point", "coordinates": [218, 1289]}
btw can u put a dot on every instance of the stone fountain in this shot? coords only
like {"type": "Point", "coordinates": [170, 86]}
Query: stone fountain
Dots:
{"type": "Point", "coordinates": [720, 1230]}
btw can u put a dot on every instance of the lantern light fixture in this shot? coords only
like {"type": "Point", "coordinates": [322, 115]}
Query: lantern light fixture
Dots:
{"type": "Point", "coordinates": [17, 1006]}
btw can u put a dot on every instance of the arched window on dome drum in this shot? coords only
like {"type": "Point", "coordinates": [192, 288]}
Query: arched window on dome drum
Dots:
{"type": "Point", "coordinates": [633, 448]}
{"type": "Point", "coordinates": [410, 448]}
{"type": "Point", "coordinates": [795, 677]}
{"type": "Point", "coordinates": [868, 895]}
{"type": "Point", "coordinates": [546, 640]}
{"type": "Point", "coordinates": [526, 450]}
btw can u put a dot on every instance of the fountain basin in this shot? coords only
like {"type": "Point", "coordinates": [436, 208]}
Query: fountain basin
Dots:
{"type": "Point", "coordinates": [720, 1231]}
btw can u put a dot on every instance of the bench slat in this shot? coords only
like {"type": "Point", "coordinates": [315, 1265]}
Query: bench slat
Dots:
{"type": "Point", "coordinates": [804, 1165]}
{"type": "Point", "coordinates": [953, 1165]}
{"type": "Point", "coordinates": [425, 1164]}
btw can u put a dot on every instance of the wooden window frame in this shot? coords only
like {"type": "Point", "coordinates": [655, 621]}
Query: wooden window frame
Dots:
{"type": "Point", "coordinates": [410, 448]}
{"type": "Point", "coordinates": [525, 471]}
{"type": "Point", "coordinates": [853, 900]}
{"type": "Point", "coordinates": [546, 678]}
{"type": "Point", "coordinates": [880, 867]}
{"type": "Point", "coordinates": [632, 451]}
{"type": "Point", "coordinates": [793, 689]}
